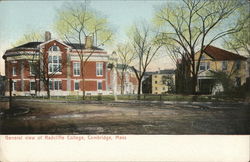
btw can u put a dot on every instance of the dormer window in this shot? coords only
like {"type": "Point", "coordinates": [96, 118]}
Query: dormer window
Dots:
{"type": "Point", "coordinates": [54, 48]}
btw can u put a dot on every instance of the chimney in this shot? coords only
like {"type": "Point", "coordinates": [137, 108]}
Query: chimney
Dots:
{"type": "Point", "coordinates": [47, 36]}
{"type": "Point", "coordinates": [88, 42]}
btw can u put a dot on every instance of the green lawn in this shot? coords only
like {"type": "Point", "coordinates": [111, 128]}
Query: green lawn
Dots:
{"type": "Point", "coordinates": [144, 97]}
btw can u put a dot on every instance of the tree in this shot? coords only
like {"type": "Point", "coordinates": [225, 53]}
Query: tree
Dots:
{"type": "Point", "coordinates": [76, 22]}
{"type": "Point", "coordinates": [125, 58]}
{"type": "Point", "coordinates": [32, 36]}
{"type": "Point", "coordinates": [240, 41]}
{"type": "Point", "coordinates": [145, 47]}
{"type": "Point", "coordinates": [169, 81]}
{"type": "Point", "coordinates": [194, 24]}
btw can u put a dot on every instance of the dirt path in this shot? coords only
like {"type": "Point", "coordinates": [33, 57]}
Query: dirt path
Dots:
{"type": "Point", "coordinates": [62, 118]}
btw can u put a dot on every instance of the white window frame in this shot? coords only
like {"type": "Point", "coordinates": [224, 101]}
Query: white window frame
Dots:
{"type": "Point", "coordinates": [34, 87]}
{"type": "Point", "coordinates": [224, 65]}
{"type": "Point", "coordinates": [206, 66]}
{"type": "Point", "coordinates": [99, 68]}
{"type": "Point", "coordinates": [52, 48]}
{"type": "Point", "coordinates": [76, 81]}
{"type": "Point", "coordinates": [99, 81]}
{"type": "Point", "coordinates": [31, 74]}
{"type": "Point", "coordinates": [14, 84]}
{"type": "Point", "coordinates": [79, 66]}
{"type": "Point", "coordinates": [57, 87]}
{"type": "Point", "coordinates": [57, 63]}
{"type": "Point", "coordinates": [14, 71]}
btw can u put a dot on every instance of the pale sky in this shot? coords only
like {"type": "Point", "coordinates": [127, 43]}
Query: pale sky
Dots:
{"type": "Point", "coordinates": [19, 17]}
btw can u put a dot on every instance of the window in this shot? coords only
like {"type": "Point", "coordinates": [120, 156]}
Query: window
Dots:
{"type": "Point", "coordinates": [32, 69]}
{"type": "Point", "coordinates": [155, 76]}
{"type": "Point", "coordinates": [237, 63]}
{"type": "Point", "coordinates": [54, 48]}
{"type": "Point", "coordinates": [55, 64]}
{"type": "Point", "coordinates": [224, 65]}
{"type": "Point", "coordinates": [203, 57]}
{"type": "Point", "coordinates": [57, 85]}
{"type": "Point", "coordinates": [76, 67]}
{"type": "Point", "coordinates": [14, 71]}
{"type": "Point", "coordinates": [156, 82]}
{"type": "Point", "coordinates": [155, 88]}
{"type": "Point", "coordinates": [204, 65]}
{"type": "Point", "coordinates": [237, 81]}
{"type": "Point", "coordinates": [76, 85]}
{"type": "Point", "coordinates": [14, 88]}
{"type": "Point", "coordinates": [99, 68]}
{"type": "Point", "coordinates": [32, 86]}
{"type": "Point", "coordinates": [99, 85]}
{"type": "Point", "coordinates": [50, 85]}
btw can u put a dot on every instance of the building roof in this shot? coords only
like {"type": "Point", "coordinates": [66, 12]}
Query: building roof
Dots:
{"type": "Point", "coordinates": [26, 45]}
{"type": "Point", "coordinates": [81, 46]}
{"type": "Point", "coordinates": [167, 71]}
{"type": "Point", "coordinates": [220, 54]}
{"type": "Point", "coordinates": [34, 45]}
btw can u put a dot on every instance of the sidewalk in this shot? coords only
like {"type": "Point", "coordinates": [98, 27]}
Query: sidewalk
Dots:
{"type": "Point", "coordinates": [141, 102]}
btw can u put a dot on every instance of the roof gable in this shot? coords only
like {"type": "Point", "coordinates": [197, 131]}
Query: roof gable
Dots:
{"type": "Point", "coordinates": [221, 54]}
{"type": "Point", "coordinates": [44, 43]}
{"type": "Point", "coordinates": [29, 45]}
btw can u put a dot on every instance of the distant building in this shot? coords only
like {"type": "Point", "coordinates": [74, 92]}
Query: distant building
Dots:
{"type": "Point", "coordinates": [128, 79]}
{"type": "Point", "coordinates": [216, 60]}
{"type": "Point", "coordinates": [159, 82]}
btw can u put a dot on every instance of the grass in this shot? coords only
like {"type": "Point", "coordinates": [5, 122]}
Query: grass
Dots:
{"type": "Point", "coordinates": [144, 97]}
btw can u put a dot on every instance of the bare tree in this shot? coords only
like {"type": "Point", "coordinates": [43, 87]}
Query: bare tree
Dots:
{"type": "Point", "coordinates": [145, 47]}
{"type": "Point", "coordinates": [76, 23]}
{"type": "Point", "coordinates": [125, 57]}
{"type": "Point", "coordinates": [240, 41]}
{"type": "Point", "coordinates": [194, 24]}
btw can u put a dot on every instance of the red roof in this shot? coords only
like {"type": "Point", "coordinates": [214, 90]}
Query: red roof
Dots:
{"type": "Point", "coordinates": [220, 54]}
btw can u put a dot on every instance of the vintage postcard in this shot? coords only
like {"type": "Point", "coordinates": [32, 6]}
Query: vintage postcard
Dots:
{"type": "Point", "coordinates": [125, 80]}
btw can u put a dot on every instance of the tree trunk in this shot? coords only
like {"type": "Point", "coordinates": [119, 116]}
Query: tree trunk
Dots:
{"type": "Point", "coordinates": [35, 87]}
{"type": "Point", "coordinates": [122, 87]}
{"type": "Point", "coordinates": [194, 84]}
{"type": "Point", "coordinates": [47, 88]}
{"type": "Point", "coordinates": [139, 90]}
{"type": "Point", "coordinates": [10, 90]}
{"type": "Point", "coordinates": [83, 88]}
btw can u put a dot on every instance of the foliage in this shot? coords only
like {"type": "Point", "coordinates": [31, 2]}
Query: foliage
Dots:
{"type": "Point", "coordinates": [145, 46]}
{"type": "Point", "coordinates": [75, 21]}
{"type": "Point", "coordinates": [125, 56]}
{"type": "Point", "coordinates": [29, 37]}
{"type": "Point", "coordinates": [241, 40]}
{"type": "Point", "coordinates": [169, 81]}
{"type": "Point", "coordinates": [192, 24]}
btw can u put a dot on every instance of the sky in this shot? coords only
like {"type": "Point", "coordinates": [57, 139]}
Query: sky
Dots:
{"type": "Point", "coordinates": [20, 17]}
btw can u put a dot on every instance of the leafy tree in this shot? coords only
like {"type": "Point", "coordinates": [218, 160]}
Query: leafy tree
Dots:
{"type": "Point", "coordinates": [240, 41]}
{"type": "Point", "coordinates": [32, 36]}
{"type": "Point", "coordinates": [77, 21]}
{"type": "Point", "coordinates": [194, 24]}
{"type": "Point", "coordinates": [125, 57]}
{"type": "Point", "coordinates": [145, 46]}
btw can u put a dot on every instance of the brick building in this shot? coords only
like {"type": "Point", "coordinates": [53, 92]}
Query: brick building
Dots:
{"type": "Point", "coordinates": [61, 63]}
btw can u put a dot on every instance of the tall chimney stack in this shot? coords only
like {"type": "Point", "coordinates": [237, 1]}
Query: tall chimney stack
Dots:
{"type": "Point", "coordinates": [88, 42]}
{"type": "Point", "coordinates": [47, 36]}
